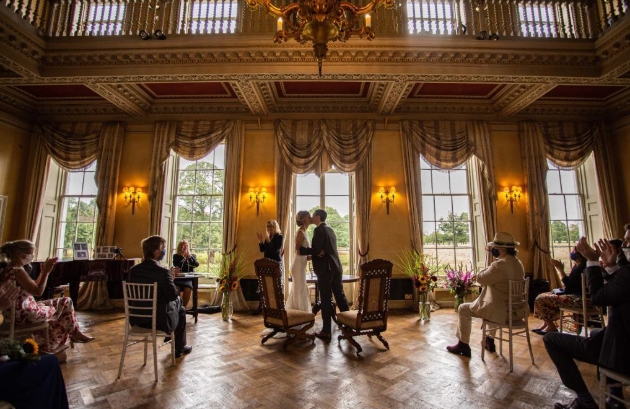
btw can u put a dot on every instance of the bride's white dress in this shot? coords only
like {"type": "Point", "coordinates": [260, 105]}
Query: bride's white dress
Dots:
{"type": "Point", "coordinates": [299, 298]}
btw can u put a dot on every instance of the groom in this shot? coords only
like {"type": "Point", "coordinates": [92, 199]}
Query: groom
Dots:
{"type": "Point", "coordinates": [328, 270]}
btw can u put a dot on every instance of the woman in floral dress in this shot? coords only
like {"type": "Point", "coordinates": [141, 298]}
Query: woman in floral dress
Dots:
{"type": "Point", "coordinates": [59, 312]}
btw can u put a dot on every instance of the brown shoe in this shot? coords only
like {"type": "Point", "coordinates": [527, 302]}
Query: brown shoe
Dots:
{"type": "Point", "coordinates": [460, 349]}
{"type": "Point", "coordinates": [323, 336]}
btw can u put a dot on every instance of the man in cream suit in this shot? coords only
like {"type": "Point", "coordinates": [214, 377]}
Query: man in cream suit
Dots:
{"type": "Point", "coordinates": [492, 302]}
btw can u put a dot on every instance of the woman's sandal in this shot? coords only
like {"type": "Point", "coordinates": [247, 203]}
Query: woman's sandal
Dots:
{"type": "Point", "coordinates": [82, 340]}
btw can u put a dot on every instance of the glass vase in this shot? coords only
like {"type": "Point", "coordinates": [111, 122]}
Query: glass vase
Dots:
{"type": "Point", "coordinates": [227, 308]}
{"type": "Point", "coordinates": [459, 300]}
{"type": "Point", "coordinates": [424, 307]}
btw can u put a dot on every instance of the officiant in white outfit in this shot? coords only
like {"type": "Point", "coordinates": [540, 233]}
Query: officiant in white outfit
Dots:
{"type": "Point", "coordinates": [299, 298]}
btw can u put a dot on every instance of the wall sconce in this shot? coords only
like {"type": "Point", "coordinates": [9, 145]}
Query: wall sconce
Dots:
{"type": "Point", "coordinates": [132, 195]}
{"type": "Point", "coordinates": [257, 195]}
{"type": "Point", "coordinates": [387, 196]}
{"type": "Point", "coordinates": [512, 195]}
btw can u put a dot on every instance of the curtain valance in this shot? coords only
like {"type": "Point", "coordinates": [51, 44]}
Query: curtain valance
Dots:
{"type": "Point", "coordinates": [73, 146]}
{"type": "Point", "coordinates": [569, 144]}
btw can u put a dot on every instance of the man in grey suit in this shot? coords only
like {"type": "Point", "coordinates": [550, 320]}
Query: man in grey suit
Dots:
{"type": "Point", "coordinates": [328, 269]}
{"type": "Point", "coordinates": [171, 314]}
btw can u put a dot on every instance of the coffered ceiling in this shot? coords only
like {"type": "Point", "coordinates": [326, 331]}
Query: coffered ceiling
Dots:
{"type": "Point", "coordinates": [249, 77]}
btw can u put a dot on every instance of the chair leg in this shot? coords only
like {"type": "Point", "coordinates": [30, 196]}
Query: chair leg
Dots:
{"type": "Point", "coordinates": [266, 337]}
{"type": "Point", "coordinates": [155, 357]}
{"type": "Point", "coordinates": [483, 340]}
{"type": "Point", "coordinates": [511, 351]}
{"type": "Point", "coordinates": [529, 344]}
{"type": "Point", "coordinates": [122, 357]}
{"type": "Point", "coordinates": [380, 337]}
{"type": "Point", "coordinates": [173, 347]}
{"type": "Point", "coordinates": [146, 341]}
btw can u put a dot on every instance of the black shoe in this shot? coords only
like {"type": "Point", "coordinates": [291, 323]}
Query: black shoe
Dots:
{"type": "Point", "coordinates": [323, 336]}
{"type": "Point", "coordinates": [575, 404]}
{"type": "Point", "coordinates": [257, 310]}
{"type": "Point", "coordinates": [167, 340]}
{"type": "Point", "coordinates": [613, 404]}
{"type": "Point", "coordinates": [490, 345]}
{"type": "Point", "coordinates": [185, 351]}
{"type": "Point", "coordinates": [460, 349]}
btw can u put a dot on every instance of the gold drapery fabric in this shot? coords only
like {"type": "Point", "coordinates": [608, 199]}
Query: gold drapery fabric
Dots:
{"type": "Point", "coordinates": [535, 161]}
{"type": "Point", "coordinates": [37, 175]}
{"type": "Point", "coordinates": [192, 141]}
{"type": "Point", "coordinates": [312, 146]}
{"type": "Point", "coordinates": [569, 144]}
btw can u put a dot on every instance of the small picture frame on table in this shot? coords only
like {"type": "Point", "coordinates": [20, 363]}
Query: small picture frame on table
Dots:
{"type": "Point", "coordinates": [80, 251]}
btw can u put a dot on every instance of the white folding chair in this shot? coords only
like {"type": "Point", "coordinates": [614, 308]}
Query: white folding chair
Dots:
{"type": "Point", "coordinates": [583, 315]}
{"type": "Point", "coordinates": [141, 302]}
{"type": "Point", "coordinates": [11, 330]}
{"type": "Point", "coordinates": [517, 325]}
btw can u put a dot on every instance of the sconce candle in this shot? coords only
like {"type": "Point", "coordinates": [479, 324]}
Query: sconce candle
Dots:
{"type": "Point", "coordinates": [132, 195]}
{"type": "Point", "coordinates": [258, 196]}
{"type": "Point", "coordinates": [512, 195]}
{"type": "Point", "coordinates": [387, 196]}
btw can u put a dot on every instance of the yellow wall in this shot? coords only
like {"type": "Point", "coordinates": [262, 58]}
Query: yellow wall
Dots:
{"type": "Point", "coordinates": [619, 161]}
{"type": "Point", "coordinates": [13, 165]}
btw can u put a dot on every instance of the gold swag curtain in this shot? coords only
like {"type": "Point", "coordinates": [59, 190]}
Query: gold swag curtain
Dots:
{"type": "Point", "coordinates": [75, 146]}
{"type": "Point", "coordinates": [312, 146]}
{"type": "Point", "coordinates": [193, 141]}
{"type": "Point", "coordinates": [447, 144]}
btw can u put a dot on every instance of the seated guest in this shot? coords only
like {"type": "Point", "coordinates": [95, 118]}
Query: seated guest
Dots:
{"type": "Point", "coordinates": [171, 314]}
{"type": "Point", "coordinates": [547, 305]}
{"type": "Point", "coordinates": [608, 347]}
{"type": "Point", "coordinates": [59, 312]}
{"type": "Point", "coordinates": [186, 262]}
{"type": "Point", "coordinates": [30, 384]}
{"type": "Point", "coordinates": [492, 302]}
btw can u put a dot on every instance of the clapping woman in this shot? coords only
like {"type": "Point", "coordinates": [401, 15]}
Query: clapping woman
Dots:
{"type": "Point", "coordinates": [59, 312]}
{"type": "Point", "coordinates": [186, 262]}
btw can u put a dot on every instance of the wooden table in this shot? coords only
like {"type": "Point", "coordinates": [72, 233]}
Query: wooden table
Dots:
{"type": "Point", "coordinates": [312, 279]}
{"type": "Point", "coordinates": [195, 283]}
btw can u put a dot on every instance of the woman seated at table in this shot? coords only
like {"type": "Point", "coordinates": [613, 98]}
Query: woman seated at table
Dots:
{"type": "Point", "coordinates": [59, 312]}
{"type": "Point", "coordinates": [30, 384]}
{"type": "Point", "coordinates": [186, 262]}
{"type": "Point", "coordinates": [547, 305]}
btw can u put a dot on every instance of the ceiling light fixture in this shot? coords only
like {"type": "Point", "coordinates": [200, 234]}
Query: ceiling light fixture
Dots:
{"type": "Point", "coordinates": [321, 21]}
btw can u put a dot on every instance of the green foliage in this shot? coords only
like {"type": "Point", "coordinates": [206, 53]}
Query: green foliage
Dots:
{"type": "Point", "coordinates": [454, 228]}
{"type": "Point", "coordinates": [561, 234]}
{"type": "Point", "coordinates": [341, 226]}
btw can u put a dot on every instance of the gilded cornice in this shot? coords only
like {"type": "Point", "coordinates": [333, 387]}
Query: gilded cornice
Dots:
{"type": "Point", "coordinates": [249, 94]}
{"type": "Point", "coordinates": [124, 96]}
{"type": "Point", "coordinates": [525, 96]}
{"type": "Point", "coordinates": [395, 95]}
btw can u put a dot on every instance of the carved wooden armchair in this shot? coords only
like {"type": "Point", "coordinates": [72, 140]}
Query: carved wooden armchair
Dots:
{"type": "Point", "coordinates": [276, 317]}
{"type": "Point", "coordinates": [371, 317]}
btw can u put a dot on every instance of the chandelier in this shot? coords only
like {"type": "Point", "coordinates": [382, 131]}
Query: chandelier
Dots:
{"type": "Point", "coordinates": [321, 21]}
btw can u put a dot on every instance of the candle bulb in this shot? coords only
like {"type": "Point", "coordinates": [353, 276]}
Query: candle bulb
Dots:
{"type": "Point", "coordinates": [368, 20]}
{"type": "Point", "coordinates": [279, 23]}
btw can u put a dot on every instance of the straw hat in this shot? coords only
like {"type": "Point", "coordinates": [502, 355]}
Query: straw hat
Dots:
{"type": "Point", "coordinates": [504, 240]}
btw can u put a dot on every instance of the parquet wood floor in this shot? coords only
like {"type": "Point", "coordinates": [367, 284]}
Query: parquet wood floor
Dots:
{"type": "Point", "coordinates": [229, 368]}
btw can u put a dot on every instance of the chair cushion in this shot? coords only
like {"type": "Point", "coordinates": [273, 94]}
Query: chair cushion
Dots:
{"type": "Point", "coordinates": [349, 319]}
{"type": "Point", "coordinates": [294, 317]}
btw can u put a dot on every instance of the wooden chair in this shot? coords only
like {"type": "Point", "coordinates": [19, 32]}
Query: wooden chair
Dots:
{"type": "Point", "coordinates": [11, 330]}
{"type": "Point", "coordinates": [371, 316]}
{"type": "Point", "coordinates": [584, 314]}
{"type": "Point", "coordinates": [141, 301]}
{"type": "Point", "coordinates": [604, 387]}
{"type": "Point", "coordinates": [517, 324]}
{"type": "Point", "coordinates": [276, 317]}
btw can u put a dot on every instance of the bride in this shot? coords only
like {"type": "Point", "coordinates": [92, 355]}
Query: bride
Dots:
{"type": "Point", "coordinates": [299, 298]}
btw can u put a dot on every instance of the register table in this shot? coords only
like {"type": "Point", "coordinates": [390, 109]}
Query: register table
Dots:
{"type": "Point", "coordinates": [195, 287]}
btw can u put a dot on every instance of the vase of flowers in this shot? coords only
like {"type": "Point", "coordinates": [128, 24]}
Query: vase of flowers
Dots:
{"type": "Point", "coordinates": [459, 282]}
{"type": "Point", "coordinates": [422, 270]}
{"type": "Point", "coordinates": [229, 281]}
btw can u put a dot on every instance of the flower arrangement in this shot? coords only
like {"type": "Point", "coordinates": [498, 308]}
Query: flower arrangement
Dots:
{"type": "Point", "coordinates": [459, 282]}
{"type": "Point", "coordinates": [421, 268]}
{"type": "Point", "coordinates": [26, 350]}
{"type": "Point", "coordinates": [231, 272]}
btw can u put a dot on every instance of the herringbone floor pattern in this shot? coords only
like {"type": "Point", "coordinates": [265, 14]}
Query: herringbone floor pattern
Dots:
{"type": "Point", "coordinates": [229, 368]}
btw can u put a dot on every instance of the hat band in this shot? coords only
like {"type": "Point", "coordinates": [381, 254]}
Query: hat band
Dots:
{"type": "Point", "coordinates": [503, 243]}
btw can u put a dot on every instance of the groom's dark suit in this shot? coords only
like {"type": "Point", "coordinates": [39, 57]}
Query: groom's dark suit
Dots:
{"type": "Point", "coordinates": [328, 269]}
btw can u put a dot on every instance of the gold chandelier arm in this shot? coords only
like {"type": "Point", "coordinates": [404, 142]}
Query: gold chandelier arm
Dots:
{"type": "Point", "coordinates": [276, 11]}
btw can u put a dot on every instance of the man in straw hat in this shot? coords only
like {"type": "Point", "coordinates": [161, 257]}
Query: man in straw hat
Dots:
{"type": "Point", "coordinates": [492, 302]}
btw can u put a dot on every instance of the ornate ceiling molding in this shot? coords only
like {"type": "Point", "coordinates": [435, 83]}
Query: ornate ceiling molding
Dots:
{"type": "Point", "coordinates": [395, 94]}
{"type": "Point", "coordinates": [126, 97]}
{"type": "Point", "coordinates": [248, 93]}
{"type": "Point", "coordinates": [524, 96]}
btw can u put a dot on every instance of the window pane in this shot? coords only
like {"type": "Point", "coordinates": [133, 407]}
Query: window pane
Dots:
{"type": "Point", "coordinates": [339, 204]}
{"type": "Point", "coordinates": [184, 206]}
{"type": "Point", "coordinates": [557, 211]}
{"type": "Point", "coordinates": [459, 184]}
{"type": "Point", "coordinates": [186, 183]}
{"type": "Point", "coordinates": [440, 182]}
{"type": "Point", "coordinates": [430, 238]}
{"type": "Point", "coordinates": [428, 212]}
{"type": "Point", "coordinates": [74, 183]}
{"type": "Point", "coordinates": [307, 203]}
{"type": "Point", "coordinates": [443, 207]}
{"type": "Point", "coordinates": [559, 232]}
{"type": "Point", "coordinates": [569, 184]}
{"type": "Point", "coordinates": [427, 186]}
{"type": "Point", "coordinates": [87, 210]}
{"type": "Point", "coordinates": [219, 157]}
{"type": "Point", "coordinates": [89, 184]}
{"type": "Point", "coordinates": [307, 185]}
{"type": "Point", "coordinates": [553, 182]}
{"type": "Point", "coordinates": [461, 207]}
{"type": "Point", "coordinates": [336, 184]}
{"type": "Point", "coordinates": [574, 209]}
